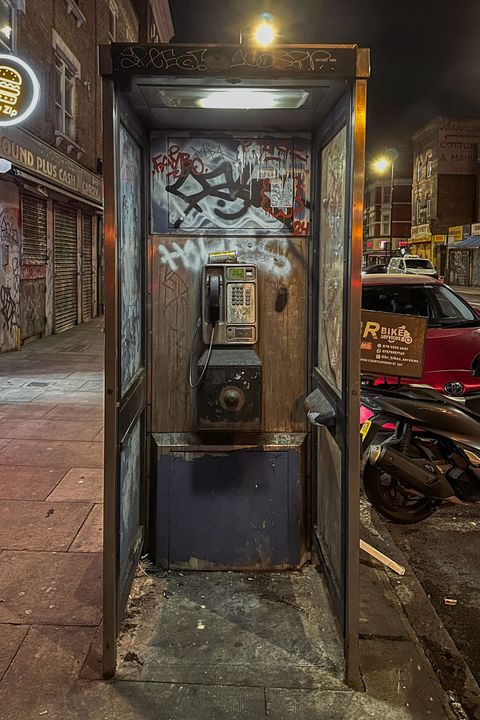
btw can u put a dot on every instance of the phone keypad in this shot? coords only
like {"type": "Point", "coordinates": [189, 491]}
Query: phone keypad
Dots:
{"type": "Point", "coordinates": [240, 304]}
{"type": "Point", "coordinates": [238, 295]}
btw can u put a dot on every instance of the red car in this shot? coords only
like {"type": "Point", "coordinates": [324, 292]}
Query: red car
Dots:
{"type": "Point", "coordinates": [452, 353]}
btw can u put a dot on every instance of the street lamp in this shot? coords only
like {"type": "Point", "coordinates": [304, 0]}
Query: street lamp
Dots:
{"type": "Point", "coordinates": [264, 33]}
{"type": "Point", "coordinates": [380, 165]}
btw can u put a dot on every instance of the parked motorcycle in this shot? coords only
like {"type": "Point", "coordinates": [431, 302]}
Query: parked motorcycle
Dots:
{"type": "Point", "coordinates": [432, 457]}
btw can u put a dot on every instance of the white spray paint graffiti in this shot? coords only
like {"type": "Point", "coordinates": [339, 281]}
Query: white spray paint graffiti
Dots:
{"type": "Point", "coordinates": [270, 256]}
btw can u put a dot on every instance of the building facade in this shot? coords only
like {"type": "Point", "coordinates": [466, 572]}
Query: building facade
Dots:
{"type": "Point", "coordinates": [51, 166]}
{"type": "Point", "coordinates": [387, 218]}
{"type": "Point", "coordinates": [444, 187]}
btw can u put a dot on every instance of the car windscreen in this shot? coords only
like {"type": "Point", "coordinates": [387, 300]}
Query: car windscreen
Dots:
{"type": "Point", "coordinates": [438, 303]}
{"type": "Point", "coordinates": [419, 263]}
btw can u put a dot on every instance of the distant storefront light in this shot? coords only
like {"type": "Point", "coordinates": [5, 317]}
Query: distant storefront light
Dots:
{"type": "Point", "coordinates": [19, 90]}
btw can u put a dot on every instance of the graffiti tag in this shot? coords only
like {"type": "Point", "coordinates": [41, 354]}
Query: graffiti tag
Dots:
{"type": "Point", "coordinates": [270, 256]}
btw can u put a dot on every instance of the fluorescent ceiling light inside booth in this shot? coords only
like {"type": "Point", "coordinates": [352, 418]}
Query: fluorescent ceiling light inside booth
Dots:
{"type": "Point", "coordinates": [234, 98]}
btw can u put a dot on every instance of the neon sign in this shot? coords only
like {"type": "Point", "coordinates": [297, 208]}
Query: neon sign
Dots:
{"type": "Point", "coordinates": [19, 90]}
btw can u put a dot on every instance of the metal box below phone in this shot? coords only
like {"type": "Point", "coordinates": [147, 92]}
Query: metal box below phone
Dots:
{"type": "Point", "coordinates": [231, 391]}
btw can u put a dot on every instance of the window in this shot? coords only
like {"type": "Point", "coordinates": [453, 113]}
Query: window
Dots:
{"type": "Point", "coordinates": [419, 169]}
{"type": "Point", "coordinates": [429, 208]}
{"type": "Point", "coordinates": [418, 210]}
{"type": "Point", "coordinates": [112, 22]}
{"type": "Point", "coordinates": [386, 193]}
{"type": "Point", "coordinates": [436, 302]}
{"type": "Point", "coordinates": [419, 263]}
{"type": "Point", "coordinates": [7, 20]}
{"type": "Point", "coordinates": [429, 165]}
{"type": "Point", "coordinates": [385, 223]}
{"type": "Point", "coordinates": [65, 97]}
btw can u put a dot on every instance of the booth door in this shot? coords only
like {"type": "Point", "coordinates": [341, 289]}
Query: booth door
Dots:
{"type": "Point", "coordinates": [125, 375]}
{"type": "Point", "coordinates": [335, 361]}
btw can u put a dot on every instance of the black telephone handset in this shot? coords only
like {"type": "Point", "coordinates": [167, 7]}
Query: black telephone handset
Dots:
{"type": "Point", "coordinates": [213, 299]}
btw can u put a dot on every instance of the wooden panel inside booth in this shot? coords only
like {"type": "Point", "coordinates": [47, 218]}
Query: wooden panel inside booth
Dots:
{"type": "Point", "coordinates": [175, 271]}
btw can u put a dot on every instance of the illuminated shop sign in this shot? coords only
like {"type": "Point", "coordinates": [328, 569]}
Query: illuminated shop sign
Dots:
{"type": "Point", "coordinates": [19, 90]}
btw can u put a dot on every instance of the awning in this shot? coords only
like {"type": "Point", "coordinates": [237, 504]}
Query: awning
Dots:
{"type": "Point", "coordinates": [469, 242]}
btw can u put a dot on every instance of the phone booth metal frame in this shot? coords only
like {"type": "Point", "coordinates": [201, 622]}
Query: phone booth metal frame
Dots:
{"type": "Point", "coordinates": [331, 358]}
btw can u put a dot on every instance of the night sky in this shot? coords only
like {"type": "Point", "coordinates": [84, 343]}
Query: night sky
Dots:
{"type": "Point", "coordinates": [425, 55]}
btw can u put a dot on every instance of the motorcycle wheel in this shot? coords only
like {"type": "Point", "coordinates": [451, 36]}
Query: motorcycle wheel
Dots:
{"type": "Point", "coordinates": [393, 500]}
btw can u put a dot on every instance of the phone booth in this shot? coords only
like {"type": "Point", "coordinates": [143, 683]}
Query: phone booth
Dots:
{"type": "Point", "coordinates": [233, 241]}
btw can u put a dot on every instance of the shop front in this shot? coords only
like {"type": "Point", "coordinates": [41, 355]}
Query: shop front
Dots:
{"type": "Point", "coordinates": [50, 238]}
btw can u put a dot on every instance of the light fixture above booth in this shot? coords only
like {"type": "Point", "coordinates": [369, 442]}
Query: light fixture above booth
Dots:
{"type": "Point", "coordinates": [233, 98]}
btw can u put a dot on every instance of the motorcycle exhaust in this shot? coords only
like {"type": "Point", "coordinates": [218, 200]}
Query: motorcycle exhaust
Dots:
{"type": "Point", "coordinates": [418, 473]}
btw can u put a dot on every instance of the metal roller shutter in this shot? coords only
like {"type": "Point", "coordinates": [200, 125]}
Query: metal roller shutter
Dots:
{"type": "Point", "coordinates": [65, 265]}
{"type": "Point", "coordinates": [34, 228]}
{"type": "Point", "coordinates": [87, 267]}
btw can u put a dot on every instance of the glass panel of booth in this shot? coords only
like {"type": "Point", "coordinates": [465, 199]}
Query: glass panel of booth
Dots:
{"type": "Point", "coordinates": [331, 259]}
{"type": "Point", "coordinates": [130, 470]}
{"type": "Point", "coordinates": [130, 258]}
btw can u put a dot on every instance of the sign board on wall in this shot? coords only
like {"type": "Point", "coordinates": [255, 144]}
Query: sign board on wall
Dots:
{"type": "Point", "coordinates": [420, 231]}
{"type": "Point", "coordinates": [456, 233]}
{"type": "Point", "coordinates": [19, 90]}
{"type": "Point", "coordinates": [392, 344]}
{"type": "Point", "coordinates": [458, 147]}
{"type": "Point", "coordinates": [36, 157]}
{"type": "Point", "coordinates": [475, 229]}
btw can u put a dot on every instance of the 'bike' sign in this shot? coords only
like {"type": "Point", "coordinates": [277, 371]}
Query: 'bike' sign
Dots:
{"type": "Point", "coordinates": [392, 344]}
{"type": "Point", "coordinates": [19, 90]}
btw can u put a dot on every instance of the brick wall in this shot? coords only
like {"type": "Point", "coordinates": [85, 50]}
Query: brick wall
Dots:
{"type": "Point", "coordinates": [34, 43]}
{"type": "Point", "coordinates": [456, 201]}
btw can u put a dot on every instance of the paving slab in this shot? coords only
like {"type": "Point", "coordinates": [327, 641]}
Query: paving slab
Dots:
{"type": "Point", "coordinates": [327, 705]}
{"type": "Point", "coordinates": [58, 396]}
{"type": "Point", "coordinates": [11, 637]}
{"type": "Point", "coordinates": [80, 484]}
{"type": "Point", "coordinates": [50, 588]}
{"type": "Point", "coordinates": [21, 482]}
{"type": "Point", "coordinates": [92, 386]}
{"type": "Point", "coordinates": [45, 429]}
{"type": "Point", "coordinates": [22, 410]}
{"type": "Point", "coordinates": [380, 612]}
{"type": "Point", "coordinates": [50, 653]}
{"type": "Point", "coordinates": [88, 375]}
{"type": "Point", "coordinates": [232, 628]}
{"type": "Point", "coordinates": [52, 452]}
{"type": "Point", "coordinates": [19, 394]}
{"type": "Point", "coordinates": [397, 672]}
{"type": "Point", "coordinates": [26, 525]}
{"type": "Point", "coordinates": [90, 536]}
{"type": "Point", "coordinates": [93, 666]}
{"type": "Point", "coordinates": [85, 700]}
{"type": "Point", "coordinates": [83, 411]}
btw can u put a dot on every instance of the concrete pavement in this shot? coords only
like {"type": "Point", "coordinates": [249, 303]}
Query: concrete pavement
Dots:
{"type": "Point", "coordinates": [50, 591]}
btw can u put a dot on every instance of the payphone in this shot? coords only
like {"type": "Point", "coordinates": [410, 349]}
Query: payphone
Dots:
{"type": "Point", "coordinates": [229, 385]}
{"type": "Point", "coordinates": [229, 304]}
